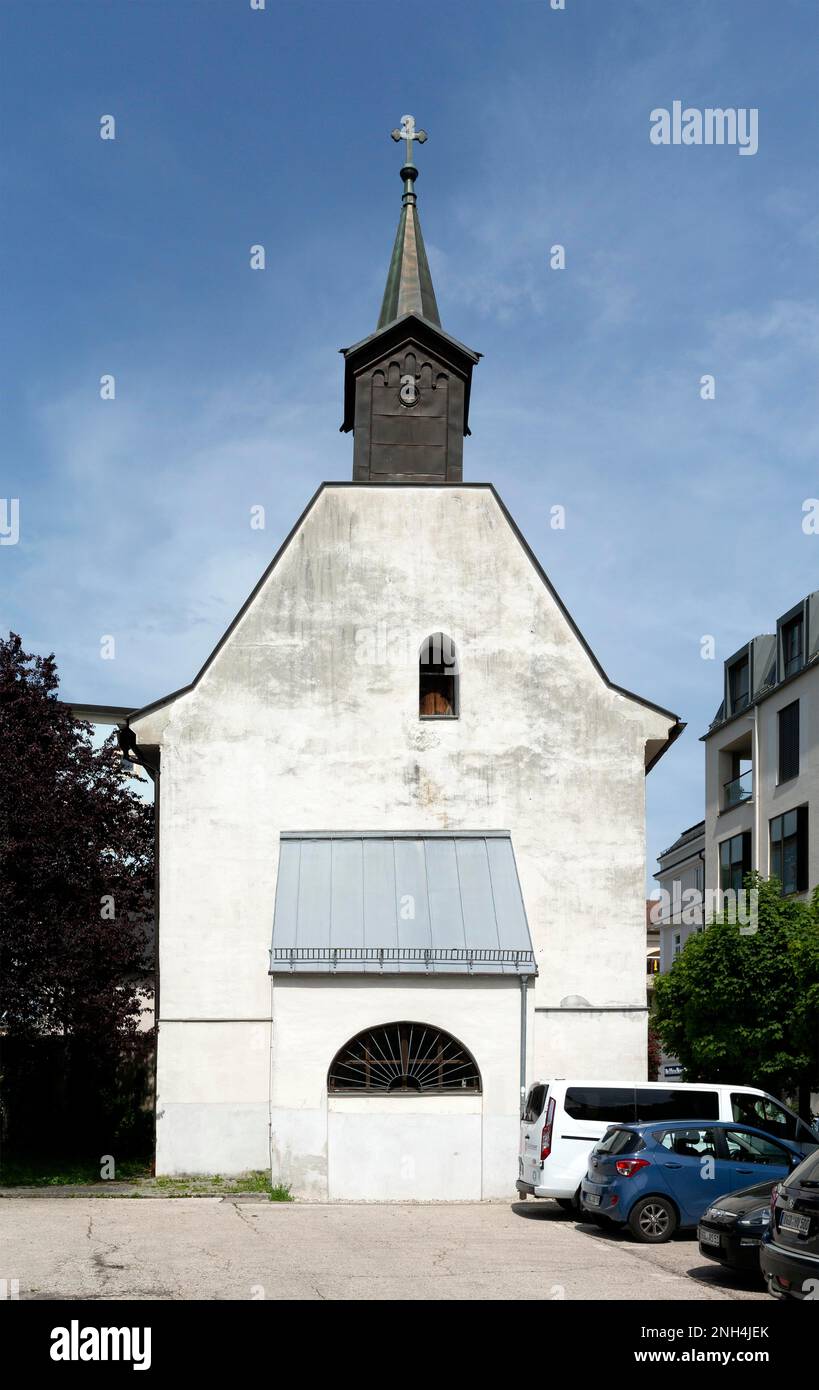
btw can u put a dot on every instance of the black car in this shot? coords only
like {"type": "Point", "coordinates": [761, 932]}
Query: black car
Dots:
{"type": "Point", "coordinates": [789, 1253]}
{"type": "Point", "coordinates": [730, 1231]}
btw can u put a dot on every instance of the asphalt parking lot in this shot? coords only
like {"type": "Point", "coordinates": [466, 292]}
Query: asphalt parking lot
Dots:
{"type": "Point", "coordinates": [243, 1248]}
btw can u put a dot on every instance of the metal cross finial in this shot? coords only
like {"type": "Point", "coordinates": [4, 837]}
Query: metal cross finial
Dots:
{"type": "Point", "coordinates": [409, 133]}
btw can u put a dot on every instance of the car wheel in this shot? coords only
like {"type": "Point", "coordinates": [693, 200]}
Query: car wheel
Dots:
{"type": "Point", "coordinates": [566, 1203]}
{"type": "Point", "coordinates": [652, 1220]}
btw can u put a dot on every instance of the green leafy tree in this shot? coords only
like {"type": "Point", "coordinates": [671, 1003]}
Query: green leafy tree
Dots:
{"type": "Point", "coordinates": [76, 875]}
{"type": "Point", "coordinates": [744, 1007]}
{"type": "Point", "coordinates": [654, 1053]}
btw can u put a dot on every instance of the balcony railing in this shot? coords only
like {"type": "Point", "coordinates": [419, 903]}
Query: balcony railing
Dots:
{"type": "Point", "coordinates": [741, 789]}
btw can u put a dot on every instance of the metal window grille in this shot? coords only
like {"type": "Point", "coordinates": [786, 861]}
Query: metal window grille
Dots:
{"type": "Point", "coordinates": [402, 1058]}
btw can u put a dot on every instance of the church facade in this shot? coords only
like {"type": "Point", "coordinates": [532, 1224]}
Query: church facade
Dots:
{"type": "Point", "coordinates": [401, 821]}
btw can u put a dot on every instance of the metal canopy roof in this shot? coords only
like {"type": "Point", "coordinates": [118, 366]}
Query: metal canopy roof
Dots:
{"type": "Point", "coordinates": [437, 903]}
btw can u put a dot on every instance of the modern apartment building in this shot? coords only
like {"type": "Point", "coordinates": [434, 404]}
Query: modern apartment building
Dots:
{"type": "Point", "coordinates": [762, 761]}
{"type": "Point", "coordinates": [681, 876]}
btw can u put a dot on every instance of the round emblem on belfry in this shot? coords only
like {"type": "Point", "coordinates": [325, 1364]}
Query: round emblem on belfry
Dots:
{"type": "Point", "coordinates": [409, 394]}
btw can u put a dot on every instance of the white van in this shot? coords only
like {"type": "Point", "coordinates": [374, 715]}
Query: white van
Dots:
{"type": "Point", "coordinates": [562, 1120]}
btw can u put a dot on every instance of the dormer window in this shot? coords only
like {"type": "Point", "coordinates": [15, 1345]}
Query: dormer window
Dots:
{"type": "Point", "coordinates": [438, 678]}
{"type": "Point", "coordinates": [739, 684]}
{"type": "Point", "coordinates": [792, 645]}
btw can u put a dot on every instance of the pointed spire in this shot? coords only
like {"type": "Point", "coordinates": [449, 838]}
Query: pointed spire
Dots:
{"type": "Point", "coordinates": [409, 282]}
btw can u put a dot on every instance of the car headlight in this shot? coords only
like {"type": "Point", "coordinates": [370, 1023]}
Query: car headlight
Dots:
{"type": "Point", "coordinates": [755, 1220]}
{"type": "Point", "coordinates": [719, 1216]}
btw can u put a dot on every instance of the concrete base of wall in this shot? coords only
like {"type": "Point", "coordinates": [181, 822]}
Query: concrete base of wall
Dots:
{"type": "Point", "coordinates": [202, 1138]}
{"type": "Point", "coordinates": [401, 1152]}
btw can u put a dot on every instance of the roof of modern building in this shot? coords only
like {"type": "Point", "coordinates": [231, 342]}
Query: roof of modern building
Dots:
{"type": "Point", "coordinates": [693, 833]}
{"type": "Point", "coordinates": [770, 670]}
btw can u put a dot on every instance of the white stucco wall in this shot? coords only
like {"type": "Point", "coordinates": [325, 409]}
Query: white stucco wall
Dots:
{"type": "Point", "coordinates": [305, 721]}
{"type": "Point", "coordinates": [213, 1097]}
{"type": "Point", "coordinates": [393, 1147]}
{"type": "Point", "coordinates": [611, 1044]}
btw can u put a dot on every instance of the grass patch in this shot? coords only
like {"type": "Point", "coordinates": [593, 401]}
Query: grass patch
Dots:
{"type": "Point", "coordinates": [203, 1184]}
{"type": "Point", "coordinates": [137, 1172]}
{"type": "Point", "coordinates": [63, 1172]}
{"type": "Point", "coordinates": [257, 1181]}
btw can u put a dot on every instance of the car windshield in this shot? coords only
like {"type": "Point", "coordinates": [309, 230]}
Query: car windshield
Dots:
{"type": "Point", "coordinates": [808, 1171]}
{"type": "Point", "coordinates": [535, 1102]}
{"type": "Point", "coordinates": [619, 1141]}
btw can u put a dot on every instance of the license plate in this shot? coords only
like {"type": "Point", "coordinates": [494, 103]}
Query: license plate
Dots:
{"type": "Point", "coordinates": [591, 1199]}
{"type": "Point", "coordinates": [792, 1222]}
{"type": "Point", "coordinates": [710, 1237]}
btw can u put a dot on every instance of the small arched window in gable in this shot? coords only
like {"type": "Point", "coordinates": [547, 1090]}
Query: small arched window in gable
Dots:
{"type": "Point", "coordinates": [438, 678]}
{"type": "Point", "coordinates": [398, 1058]}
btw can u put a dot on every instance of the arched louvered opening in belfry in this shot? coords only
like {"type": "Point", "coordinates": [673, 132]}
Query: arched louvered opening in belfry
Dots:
{"type": "Point", "coordinates": [438, 678]}
{"type": "Point", "coordinates": [401, 1059]}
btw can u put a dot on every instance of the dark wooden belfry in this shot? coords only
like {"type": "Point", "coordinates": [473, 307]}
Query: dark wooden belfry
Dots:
{"type": "Point", "coordinates": [406, 386]}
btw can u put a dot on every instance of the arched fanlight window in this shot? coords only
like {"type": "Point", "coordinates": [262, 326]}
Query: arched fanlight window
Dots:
{"type": "Point", "coordinates": [401, 1058]}
{"type": "Point", "coordinates": [438, 678]}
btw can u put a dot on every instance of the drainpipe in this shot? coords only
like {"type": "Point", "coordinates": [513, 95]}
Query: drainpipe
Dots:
{"type": "Point", "coordinates": [270, 1085]}
{"type": "Point", "coordinates": [524, 982]}
{"type": "Point", "coordinates": [703, 898]}
{"type": "Point", "coordinates": [757, 775]}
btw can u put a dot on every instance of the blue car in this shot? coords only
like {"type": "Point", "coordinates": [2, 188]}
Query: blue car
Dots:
{"type": "Point", "coordinates": [661, 1177]}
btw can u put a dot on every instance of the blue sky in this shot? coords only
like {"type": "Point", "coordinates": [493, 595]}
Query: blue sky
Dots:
{"type": "Point", "coordinates": [236, 127]}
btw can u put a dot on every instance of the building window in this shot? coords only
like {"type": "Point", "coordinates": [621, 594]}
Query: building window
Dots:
{"type": "Point", "coordinates": [789, 850]}
{"type": "Point", "coordinates": [789, 742]}
{"type": "Point", "coordinates": [438, 678]}
{"type": "Point", "coordinates": [739, 684]}
{"type": "Point", "coordinates": [677, 944]}
{"type": "Point", "coordinates": [741, 786]}
{"type": "Point", "coordinates": [734, 861]}
{"type": "Point", "coordinates": [402, 1059]}
{"type": "Point", "coordinates": [792, 645]}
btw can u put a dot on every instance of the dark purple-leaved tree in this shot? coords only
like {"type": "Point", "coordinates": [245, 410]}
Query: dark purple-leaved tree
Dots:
{"type": "Point", "coordinates": [76, 872]}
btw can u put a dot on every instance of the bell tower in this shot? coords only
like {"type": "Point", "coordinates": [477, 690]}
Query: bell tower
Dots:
{"type": "Point", "coordinates": [407, 386]}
